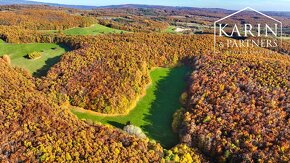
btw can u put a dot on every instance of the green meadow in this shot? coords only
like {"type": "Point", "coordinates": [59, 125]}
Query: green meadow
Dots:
{"type": "Point", "coordinates": [92, 30]}
{"type": "Point", "coordinates": [170, 29]}
{"type": "Point", "coordinates": [50, 55]}
{"type": "Point", "coordinates": [154, 111]}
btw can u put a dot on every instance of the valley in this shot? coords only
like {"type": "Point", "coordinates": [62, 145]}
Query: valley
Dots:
{"type": "Point", "coordinates": [153, 112]}
{"type": "Point", "coordinates": [139, 83]}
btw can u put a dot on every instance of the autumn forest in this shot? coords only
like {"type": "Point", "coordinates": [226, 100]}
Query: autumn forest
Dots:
{"type": "Point", "coordinates": [103, 85]}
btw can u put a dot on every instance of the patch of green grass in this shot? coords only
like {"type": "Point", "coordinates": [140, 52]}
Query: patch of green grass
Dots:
{"type": "Point", "coordinates": [2, 41]}
{"type": "Point", "coordinates": [170, 29]}
{"type": "Point", "coordinates": [50, 54]}
{"type": "Point", "coordinates": [93, 30]}
{"type": "Point", "coordinates": [154, 111]}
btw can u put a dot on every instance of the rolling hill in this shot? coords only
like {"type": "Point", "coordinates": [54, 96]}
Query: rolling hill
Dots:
{"type": "Point", "coordinates": [24, 2]}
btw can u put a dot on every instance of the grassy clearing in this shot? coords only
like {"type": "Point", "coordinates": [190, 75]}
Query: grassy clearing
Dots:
{"type": "Point", "coordinates": [170, 29]}
{"type": "Point", "coordinates": [154, 111]}
{"type": "Point", "coordinates": [50, 54]}
{"type": "Point", "coordinates": [92, 30]}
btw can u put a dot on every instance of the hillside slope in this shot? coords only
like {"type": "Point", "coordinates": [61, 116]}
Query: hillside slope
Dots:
{"type": "Point", "coordinates": [35, 128]}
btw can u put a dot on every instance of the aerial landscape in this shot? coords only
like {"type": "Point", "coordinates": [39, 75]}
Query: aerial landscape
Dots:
{"type": "Point", "coordinates": [119, 81]}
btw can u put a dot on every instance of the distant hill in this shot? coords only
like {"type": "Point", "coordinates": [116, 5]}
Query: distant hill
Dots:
{"type": "Point", "coordinates": [25, 2]}
{"type": "Point", "coordinates": [156, 7]}
{"type": "Point", "coordinates": [272, 13]}
{"type": "Point", "coordinates": [11, 2]}
{"type": "Point", "coordinates": [164, 7]}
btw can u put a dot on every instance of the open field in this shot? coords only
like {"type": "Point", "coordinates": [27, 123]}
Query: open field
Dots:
{"type": "Point", "coordinates": [170, 29]}
{"type": "Point", "coordinates": [154, 111]}
{"type": "Point", "coordinates": [50, 55]}
{"type": "Point", "coordinates": [92, 30]}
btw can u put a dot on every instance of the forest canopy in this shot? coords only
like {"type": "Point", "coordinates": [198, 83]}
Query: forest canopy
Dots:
{"type": "Point", "coordinates": [236, 106]}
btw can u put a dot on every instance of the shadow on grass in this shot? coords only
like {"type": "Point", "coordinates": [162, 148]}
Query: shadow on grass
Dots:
{"type": "Point", "coordinates": [167, 102]}
{"type": "Point", "coordinates": [65, 47]}
{"type": "Point", "coordinates": [116, 124]}
{"type": "Point", "coordinates": [160, 103]}
{"type": "Point", "coordinates": [49, 63]}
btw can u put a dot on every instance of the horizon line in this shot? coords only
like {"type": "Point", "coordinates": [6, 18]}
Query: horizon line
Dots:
{"type": "Point", "coordinates": [123, 4]}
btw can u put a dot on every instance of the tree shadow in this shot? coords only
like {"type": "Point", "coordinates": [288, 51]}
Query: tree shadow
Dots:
{"type": "Point", "coordinates": [65, 47]}
{"type": "Point", "coordinates": [116, 124]}
{"type": "Point", "coordinates": [167, 102]}
{"type": "Point", "coordinates": [50, 62]}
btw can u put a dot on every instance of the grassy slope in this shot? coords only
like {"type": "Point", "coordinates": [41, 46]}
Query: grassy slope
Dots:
{"type": "Point", "coordinates": [1, 41]}
{"type": "Point", "coordinates": [38, 67]}
{"type": "Point", "coordinates": [92, 30]}
{"type": "Point", "coordinates": [170, 29]}
{"type": "Point", "coordinates": [154, 111]}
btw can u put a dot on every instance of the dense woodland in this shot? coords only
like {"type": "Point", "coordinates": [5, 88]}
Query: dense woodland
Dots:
{"type": "Point", "coordinates": [236, 106]}
{"type": "Point", "coordinates": [42, 19]}
{"type": "Point", "coordinates": [34, 127]}
{"type": "Point", "coordinates": [134, 23]}
{"type": "Point", "coordinates": [196, 18]}
{"type": "Point", "coordinates": [109, 73]}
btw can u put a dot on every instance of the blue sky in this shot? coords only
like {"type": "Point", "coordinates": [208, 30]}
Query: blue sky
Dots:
{"type": "Point", "coordinates": [262, 5]}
